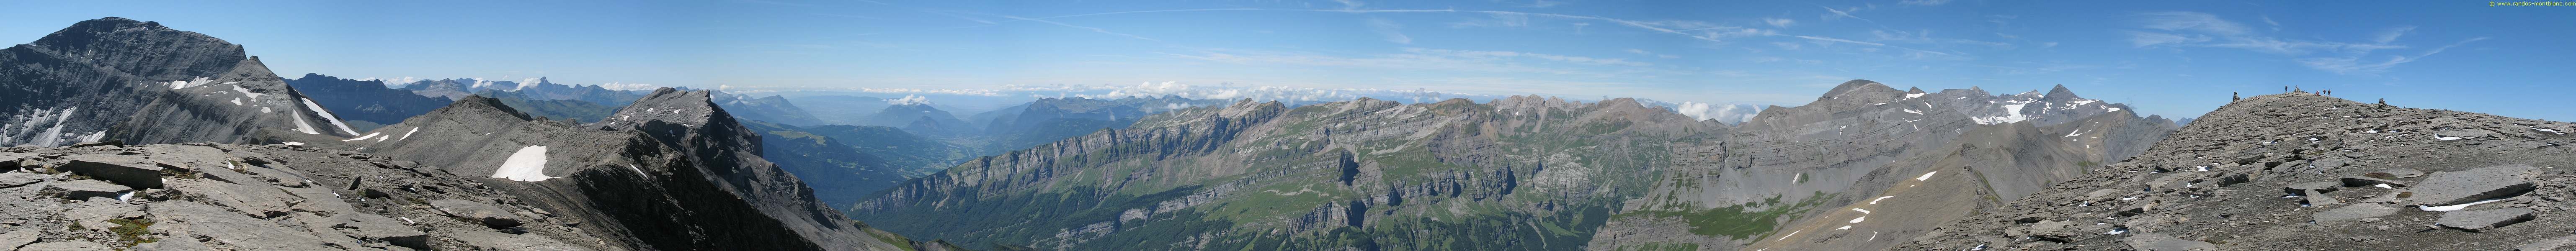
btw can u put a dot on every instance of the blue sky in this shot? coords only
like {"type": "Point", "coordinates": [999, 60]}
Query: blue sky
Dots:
{"type": "Point", "coordinates": [2173, 58]}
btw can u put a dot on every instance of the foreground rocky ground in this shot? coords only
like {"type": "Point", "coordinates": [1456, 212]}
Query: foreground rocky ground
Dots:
{"type": "Point", "coordinates": [2307, 172]}
{"type": "Point", "coordinates": [255, 197]}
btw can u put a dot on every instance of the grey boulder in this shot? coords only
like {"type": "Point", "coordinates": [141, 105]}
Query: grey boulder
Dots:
{"type": "Point", "coordinates": [490, 216]}
{"type": "Point", "coordinates": [79, 189]}
{"type": "Point", "coordinates": [128, 170]}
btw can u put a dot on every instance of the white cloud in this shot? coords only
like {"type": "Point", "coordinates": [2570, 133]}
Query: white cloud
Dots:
{"type": "Point", "coordinates": [1388, 29]}
{"type": "Point", "coordinates": [909, 100]}
{"type": "Point", "coordinates": [975, 92]}
{"type": "Point", "coordinates": [1839, 14]}
{"type": "Point", "coordinates": [1737, 113]}
{"type": "Point", "coordinates": [1924, 2]}
{"type": "Point", "coordinates": [394, 82]}
{"type": "Point", "coordinates": [1779, 22]}
{"type": "Point", "coordinates": [2391, 34]}
{"type": "Point", "coordinates": [627, 86]}
{"type": "Point", "coordinates": [1350, 4]}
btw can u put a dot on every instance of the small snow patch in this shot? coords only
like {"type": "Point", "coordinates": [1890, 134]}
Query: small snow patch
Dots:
{"type": "Point", "coordinates": [2454, 207]}
{"type": "Point", "coordinates": [1913, 111]}
{"type": "Point", "coordinates": [529, 164]}
{"type": "Point", "coordinates": [292, 143]}
{"type": "Point", "coordinates": [369, 135]}
{"type": "Point", "coordinates": [1861, 210]}
{"type": "Point", "coordinates": [1875, 201]}
{"type": "Point", "coordinates": [1845, 227]}
{"type": "Point", "coordinates": [300, 125]}
{"type": "Point", "coordinates": [1857, 220]}
{"type": "Point", "coordinates": [1917, 95]}
{"type": "Point", "coordinates": [1926, 176]}
{"type": "Point", "coordinates": [326, 116]}
{"type": "Point", "coordinates": [2445, 138]}
{"type": "Point", "coordinates": [407, 135]}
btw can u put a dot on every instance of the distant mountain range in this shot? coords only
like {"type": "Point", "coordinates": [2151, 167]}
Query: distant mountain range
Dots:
{"type": "Point", "coordinates": [1520, 173]}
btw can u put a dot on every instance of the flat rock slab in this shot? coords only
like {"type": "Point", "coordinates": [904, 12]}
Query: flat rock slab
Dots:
{"type": "Point", "coordinates": [19, 179]}
{"type": "Point", "coordinates": [79, 189]}
{"type": "Point", "coordinates": [2163, 242]}
{"type": "Point", "coordinates": [2480, 220]}
{"type": "Point", "coordinates": [200, 221]}
{"type": "Point", "coordinates": [2395, 173]}
{"type": "Point", "coordinates": [483, 240]}
{"type": "Point", "coordinates": [69, 245]}
{"type": "Point", "coordinates": [2353, 212]}
{"type": "Point", "coordinates": [2453, 188]}
{"type": "Point", "coordinates": [128, 170]}
{"type": "Point", "coordinates": [2547, 245]}
{"type": "Point", "coordinates": [379, 227]}
{"type": "Point", "coordinates": [19, 238]}
{"type": "Point", "coordinates": [490, 216]}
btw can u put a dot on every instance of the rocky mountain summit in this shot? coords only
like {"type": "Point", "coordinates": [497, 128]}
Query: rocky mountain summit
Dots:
{"type": "Point", "coordinates": [2302, 171]}
{"type": "Point", "coordinates": [141, 82]}
{"type": "Point", "coordinates": [199, 196]}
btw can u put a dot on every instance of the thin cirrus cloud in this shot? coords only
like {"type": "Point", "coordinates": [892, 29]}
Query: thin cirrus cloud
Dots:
{"type": "Point", "coordinates": [1394, 33]}
{"type": "Point", "coordinates": [2179, 30]}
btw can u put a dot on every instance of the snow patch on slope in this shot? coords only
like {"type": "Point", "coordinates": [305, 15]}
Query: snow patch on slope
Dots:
{"type": "Point", "coordinates": [529, 164]}
{"type": "Point", "coordinates": [326, 116]}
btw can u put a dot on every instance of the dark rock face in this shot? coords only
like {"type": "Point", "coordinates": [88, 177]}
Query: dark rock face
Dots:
{"type": "Point", "coordinates": [140, 82]}
{"type": "Point", "coordinates": [2321, 174]}
{"type": "Point", "coordinates": [365, 100]}
{"type": "Point", "coordinates": [261, 197]}
{"type": "Point", "coordinates": [672, 171]}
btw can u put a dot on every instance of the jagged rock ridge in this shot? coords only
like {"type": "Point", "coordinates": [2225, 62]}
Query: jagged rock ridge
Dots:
{"type": "Point", "coordinates": [673, 170]}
